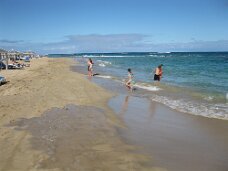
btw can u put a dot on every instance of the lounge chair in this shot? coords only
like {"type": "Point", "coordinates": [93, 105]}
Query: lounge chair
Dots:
{"type": "Point", "coordinates": [2, 80]}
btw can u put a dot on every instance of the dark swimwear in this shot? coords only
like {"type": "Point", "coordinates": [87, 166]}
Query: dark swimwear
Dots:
{"type": "Point", "coordinates": [156, 77]}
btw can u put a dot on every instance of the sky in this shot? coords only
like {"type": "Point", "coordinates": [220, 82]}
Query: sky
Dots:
{"type": "Point", "coordinates": [81, 26]}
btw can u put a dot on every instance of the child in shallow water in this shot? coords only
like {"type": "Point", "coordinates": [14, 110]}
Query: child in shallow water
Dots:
{"type": "Point", "coordinates": [129, 79]}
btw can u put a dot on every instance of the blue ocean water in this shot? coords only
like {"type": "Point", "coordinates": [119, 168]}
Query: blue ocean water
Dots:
{"type": "Point", "coordinates": [195, 83]}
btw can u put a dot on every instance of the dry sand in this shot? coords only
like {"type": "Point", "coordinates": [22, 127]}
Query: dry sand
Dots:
{"type": "Point", "coordinates": [54, 119]}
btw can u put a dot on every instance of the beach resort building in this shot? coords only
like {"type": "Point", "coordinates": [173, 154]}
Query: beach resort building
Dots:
{"type": "Point", "coordinates": [14, 55]}
{"type": "Point", "coordinates": [8, 57]}
{"type": "Point", "coordinates": [3, 54]}
{"type": "Point", "coordinates": [29, 54]}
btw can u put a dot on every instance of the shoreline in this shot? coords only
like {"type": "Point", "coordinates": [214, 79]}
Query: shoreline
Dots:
{"type": "Point", "coordinates": [181, 99]}
{"type": "Point", "coordinates": [174, 140]}
{"type": "Point", "coordinates": [54, 119]}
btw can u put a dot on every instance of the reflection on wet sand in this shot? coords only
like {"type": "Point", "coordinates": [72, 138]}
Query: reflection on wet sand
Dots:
{"type": "Point", "coordinates": [124, 107]}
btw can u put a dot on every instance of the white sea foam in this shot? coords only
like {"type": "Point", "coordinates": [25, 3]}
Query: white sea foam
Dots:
{"type": "Point", "coordinates": [102, 65]}
{"type": "Point", "coordinates": [158, 56]}
{"type": "Point", "coordinates": [219, 111]}
{"type": "Point", "coordinates": [155, 55]}
{"type": "Point", "coordinates": [104, 76]}
{"type": "Point", "coordinates": [209, 98]}
{"type": "Point", "coordinates": [147, 87]}
{"type": "Point", "coordinates": [110, 56]}
{"type": "Point", "coordinates": [106, 62]}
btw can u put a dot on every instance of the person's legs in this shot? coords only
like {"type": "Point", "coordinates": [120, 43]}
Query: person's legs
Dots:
{"type": "Point", "coordinates": [128, 84]}
{"type": "Point", "coordinates": [88, 71]}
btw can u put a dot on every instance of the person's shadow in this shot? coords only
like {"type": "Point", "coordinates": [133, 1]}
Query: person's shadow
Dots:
{"type": "Point", "coordinates": [124, 107]}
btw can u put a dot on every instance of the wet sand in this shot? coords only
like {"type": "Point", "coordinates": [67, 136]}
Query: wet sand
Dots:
{"type": "Point", "coordinates": [174, 140]}
{"type": "Point", "coordinates": [77, 138]}
{"type": "Point", "coordinates": [54, 119]}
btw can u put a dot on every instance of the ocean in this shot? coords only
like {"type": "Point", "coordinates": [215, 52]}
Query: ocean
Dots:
{"type": "Point", "coordinates": [192, 82]}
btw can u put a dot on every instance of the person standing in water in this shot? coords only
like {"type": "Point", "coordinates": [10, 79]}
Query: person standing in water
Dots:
{"type": "Point", "coordinates": [129, 79]}
{"type": "Point", "coordinates": [90, 67]}
{"type": "Point", "coordinates": [158, 73]}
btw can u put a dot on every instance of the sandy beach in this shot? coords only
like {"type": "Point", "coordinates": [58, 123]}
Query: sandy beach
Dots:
{"type": "Point", "coordinates": [133, 85]}
{"type": "Point", "coordinates": [52, 118]}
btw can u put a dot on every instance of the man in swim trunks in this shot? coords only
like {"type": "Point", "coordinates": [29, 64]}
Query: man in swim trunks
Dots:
{"type": "Point", "coordinates": [158, 73]}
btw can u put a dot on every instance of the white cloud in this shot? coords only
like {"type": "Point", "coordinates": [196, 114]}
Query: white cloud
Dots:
{"type": "Point", "coordinates": [6, 41]}
{"type": "Point", "coordinates": [114, 43]}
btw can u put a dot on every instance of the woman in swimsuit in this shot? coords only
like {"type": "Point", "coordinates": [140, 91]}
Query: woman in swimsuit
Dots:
{"type": "Point", "coordinates": [90, 67]}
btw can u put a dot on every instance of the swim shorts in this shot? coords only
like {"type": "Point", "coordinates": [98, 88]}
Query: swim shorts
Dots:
{"type": "Point", "coordinates": [156, 77]}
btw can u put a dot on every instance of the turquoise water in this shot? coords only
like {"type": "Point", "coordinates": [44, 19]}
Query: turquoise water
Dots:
{"type": "Point", "coordinates": [195, 83]}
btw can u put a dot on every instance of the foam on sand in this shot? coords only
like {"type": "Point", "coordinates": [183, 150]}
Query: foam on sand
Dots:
{"type": "Point", "coordinates": [219, 111]}
{"type": "Point", "coordinates": [104, 76]}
